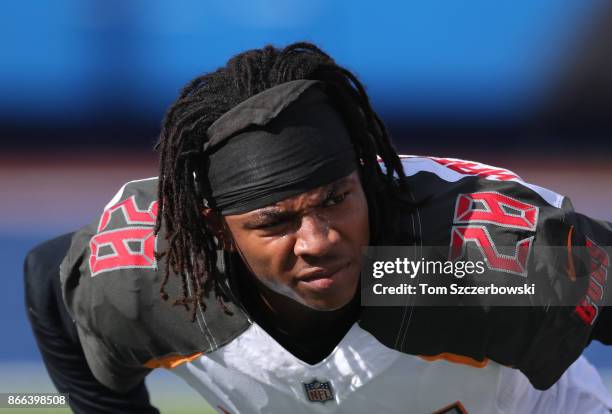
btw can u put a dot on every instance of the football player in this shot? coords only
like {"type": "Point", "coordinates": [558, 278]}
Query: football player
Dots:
{"type": "Point", "coordinates": [238, 268]}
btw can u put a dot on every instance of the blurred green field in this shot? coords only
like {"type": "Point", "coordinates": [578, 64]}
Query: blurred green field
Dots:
{"type": "Point", "coordinates": [168, 392]}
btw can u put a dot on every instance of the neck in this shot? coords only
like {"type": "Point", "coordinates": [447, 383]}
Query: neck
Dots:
{"type": "Point", "coordinates": [308, 334]}
{"type": "Point", "coordinates": [300, 321]}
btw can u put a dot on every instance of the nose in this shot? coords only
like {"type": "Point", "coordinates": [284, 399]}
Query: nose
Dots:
{"type": "Point", "coordinates": [315, 237]}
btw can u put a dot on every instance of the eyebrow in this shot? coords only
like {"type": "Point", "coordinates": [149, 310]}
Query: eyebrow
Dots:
{"type": "Point", "coordinates": [267, 217]}
{"type": "Point", "coordinates": [273, 215]}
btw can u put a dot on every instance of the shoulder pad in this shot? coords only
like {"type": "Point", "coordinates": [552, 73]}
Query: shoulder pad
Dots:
{"type": "Point", "coordinates": [111, 280]}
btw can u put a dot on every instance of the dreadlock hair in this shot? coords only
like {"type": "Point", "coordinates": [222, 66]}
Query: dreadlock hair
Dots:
{"type": "Point", "coordinates": [192, 250]}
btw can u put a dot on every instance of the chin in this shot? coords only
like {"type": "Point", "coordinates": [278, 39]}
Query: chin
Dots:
{"type": "Point", "coordinates": [326, 306]}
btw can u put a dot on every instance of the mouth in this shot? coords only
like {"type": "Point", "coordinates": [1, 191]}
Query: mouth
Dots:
{"type": "Point", "coordinates": [320, 278]}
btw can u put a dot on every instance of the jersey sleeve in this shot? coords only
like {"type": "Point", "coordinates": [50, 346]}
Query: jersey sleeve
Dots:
{"type": "Point", "coordinates": [107, 282]}
{"type": "Point", "coordinates": [113, 363]}
{"type": "Point", "coordinates": [111, 280]}
{"type": "Point", "coordinates": [569, 264]}
{"type": "Point", "coordinates": [473, 211]}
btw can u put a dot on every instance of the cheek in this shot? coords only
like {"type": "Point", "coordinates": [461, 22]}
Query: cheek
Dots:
{"type": "Point", "coordinates": [364, 220]}
{"type": "Point", "coordinates": [268, 258]}
{"type": "Point", "coordinates": [356, 222]}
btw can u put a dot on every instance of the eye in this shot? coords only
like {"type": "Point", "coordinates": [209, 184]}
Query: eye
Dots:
{"type": "Point", "coordinates": [276, 227]}
{"type": "Point", "coordinates": [270, 225]}
{"type": "Point", "coordinates": [336, 199]}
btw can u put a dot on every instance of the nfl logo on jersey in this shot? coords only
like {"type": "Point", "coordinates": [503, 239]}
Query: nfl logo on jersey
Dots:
{"type": "Point", "coordinates": [319, 391]}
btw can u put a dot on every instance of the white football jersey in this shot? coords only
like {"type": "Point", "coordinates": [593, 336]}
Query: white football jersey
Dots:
{"type": "Point", "coordinates": [255, 374]}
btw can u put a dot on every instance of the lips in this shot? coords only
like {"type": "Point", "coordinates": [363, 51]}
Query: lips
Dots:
{"type": "Point", "coordinates": [320, 272]}
{"type": "Point", "coordinates": [321, 278]}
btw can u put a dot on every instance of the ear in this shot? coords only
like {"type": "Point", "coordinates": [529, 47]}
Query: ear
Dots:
{"type": "Point", "coordinates": [216, 225]}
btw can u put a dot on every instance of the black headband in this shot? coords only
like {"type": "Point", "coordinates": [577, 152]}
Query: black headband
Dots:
{"type": "Point", "coordinates": [279, 143]}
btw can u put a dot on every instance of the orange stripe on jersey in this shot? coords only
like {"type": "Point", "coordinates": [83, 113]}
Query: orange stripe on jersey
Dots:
{"type": "Point", "coordinates": [454, 408]}
{"type": "Point", "coordinates": [171, 361]}
{"type": "Point", "coordinates": [457, 359]}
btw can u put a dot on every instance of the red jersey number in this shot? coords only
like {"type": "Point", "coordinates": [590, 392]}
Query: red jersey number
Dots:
{"type": "Point", "coordinates": [474, 210]}
{"type": "Point", "coordinates": [131, 246]}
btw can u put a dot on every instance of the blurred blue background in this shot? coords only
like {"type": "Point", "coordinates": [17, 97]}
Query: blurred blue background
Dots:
{"type": "Point", "coordinates": [84, 85]}
{"type": "Point", "coordinates": [101, 73]}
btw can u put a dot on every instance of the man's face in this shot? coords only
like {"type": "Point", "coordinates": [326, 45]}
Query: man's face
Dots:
{"type": "Point", "coordinates": [308, 247]}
